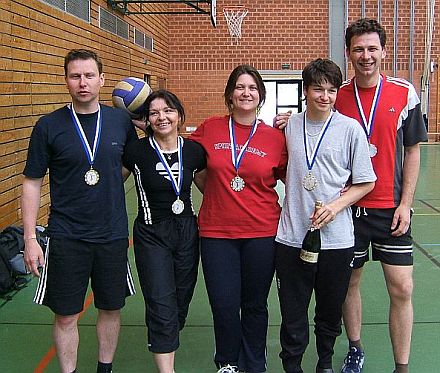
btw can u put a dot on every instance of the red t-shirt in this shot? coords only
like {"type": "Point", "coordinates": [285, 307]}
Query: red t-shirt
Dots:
{"type": "Point", "coordinates": [254, 211]}
{"type": "Point", "coordinates": [398, 122]}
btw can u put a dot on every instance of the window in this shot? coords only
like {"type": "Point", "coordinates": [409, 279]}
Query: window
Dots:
{"type": "Point", "coordinates": [113, 24]}
{"type": "Point", "coordinates": [281, 95]}
{"type": "Point", "coordinates": [143, 40]}
{"type": "Point", "coordinates": [78, 8]}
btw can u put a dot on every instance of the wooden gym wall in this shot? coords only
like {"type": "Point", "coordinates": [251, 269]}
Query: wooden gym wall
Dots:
{"type": "Point", "coordinates": [34, 40]}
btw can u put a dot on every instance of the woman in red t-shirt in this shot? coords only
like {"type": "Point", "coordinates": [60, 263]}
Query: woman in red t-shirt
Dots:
{"type": "Point", "coordinates": [238, 220]}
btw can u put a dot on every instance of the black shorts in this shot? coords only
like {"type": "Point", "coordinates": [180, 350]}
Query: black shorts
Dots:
{"type": "Point", "coordinates": [372, 226]}
{"type": "Point", "coordinates": [69, 266]}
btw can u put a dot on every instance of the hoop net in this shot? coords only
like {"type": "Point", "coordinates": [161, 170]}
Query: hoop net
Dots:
{"type": "Point", "coordinates": [234, 17]}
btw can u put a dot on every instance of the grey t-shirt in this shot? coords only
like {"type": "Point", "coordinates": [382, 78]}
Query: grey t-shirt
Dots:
{"type": "Point", "coordinates": [342, 157]}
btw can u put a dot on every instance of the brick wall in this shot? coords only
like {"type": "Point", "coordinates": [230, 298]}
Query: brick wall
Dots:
{"type": "Point", "coordinates": [34, 40]}
{"type": "Point", "coordinates": [276, 32]}
{"type": "Point", "coordinates": [202, 57]}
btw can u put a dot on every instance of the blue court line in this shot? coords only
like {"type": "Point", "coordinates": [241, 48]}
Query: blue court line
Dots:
{"type": "Point", "coordinates": [429, 244]}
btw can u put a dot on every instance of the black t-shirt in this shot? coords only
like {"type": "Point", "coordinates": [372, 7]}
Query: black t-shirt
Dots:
{"type": "Point", "coordinates": [80, 211]}
{"type": "Point", "coordinates": [154, 189]}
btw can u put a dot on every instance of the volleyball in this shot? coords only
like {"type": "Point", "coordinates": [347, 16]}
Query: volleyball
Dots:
{"type": "Point", "coordinates": [130, 94]}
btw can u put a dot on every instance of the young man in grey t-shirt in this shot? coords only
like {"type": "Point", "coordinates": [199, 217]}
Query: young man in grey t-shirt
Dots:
{"type": "Point", "coordinates": [327, 152]}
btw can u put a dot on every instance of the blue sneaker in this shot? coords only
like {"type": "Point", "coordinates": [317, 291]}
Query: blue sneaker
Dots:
{"type": "Point", "coordinates": [354, 361]}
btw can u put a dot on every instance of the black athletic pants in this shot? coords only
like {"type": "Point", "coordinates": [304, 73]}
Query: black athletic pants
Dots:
{"type": "Point", "coordinates": [167, 259]}
{"type": "Point", "coordinates": [296, 282]}
{"type": "Point", "coordinates": [238, 275]}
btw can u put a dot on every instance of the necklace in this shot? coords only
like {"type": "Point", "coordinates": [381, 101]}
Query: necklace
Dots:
{"type": "Point", "coordinates": [168, 153]}
{"type": "Point", "coordinates": [313, 134]}
{"type": "Point", "coordinates": [319, 124]}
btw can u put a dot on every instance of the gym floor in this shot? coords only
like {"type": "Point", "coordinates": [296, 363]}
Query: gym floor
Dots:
{"type": "Point", "coordinates": [25, 328]}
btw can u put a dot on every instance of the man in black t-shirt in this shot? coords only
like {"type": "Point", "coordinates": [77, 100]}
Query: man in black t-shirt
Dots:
{"type": "Point", "coordinates": [81, 145]}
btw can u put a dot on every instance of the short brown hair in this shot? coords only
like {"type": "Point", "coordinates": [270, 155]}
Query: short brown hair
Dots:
{"type": "Point", "coordinates": [82, 54]}
{"type": "Point", "coordinates": [321, 71]}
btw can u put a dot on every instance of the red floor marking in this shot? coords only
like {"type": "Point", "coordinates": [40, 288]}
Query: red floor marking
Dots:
{"type": "Point", "coordinates": [45, 360]}
{"type": "Point", "coordinates": [51, 353]}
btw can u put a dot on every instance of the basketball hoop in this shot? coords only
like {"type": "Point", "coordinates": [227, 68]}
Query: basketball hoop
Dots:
{"type": "Point", "coordinates": [234, 17]}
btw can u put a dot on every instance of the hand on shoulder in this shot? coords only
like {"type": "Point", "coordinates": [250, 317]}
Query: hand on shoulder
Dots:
{"type": "Point", "coordinates": [281, 119]}
{"type": "Point", "coordinates": [140, 123]}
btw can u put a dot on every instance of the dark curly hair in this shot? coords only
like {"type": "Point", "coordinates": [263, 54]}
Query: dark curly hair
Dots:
{"type": "Point", "coordinates": [365, 26]}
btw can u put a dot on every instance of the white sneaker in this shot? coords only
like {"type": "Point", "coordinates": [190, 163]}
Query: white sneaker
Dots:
{"type": "Point", "coordinates": [228, 369]}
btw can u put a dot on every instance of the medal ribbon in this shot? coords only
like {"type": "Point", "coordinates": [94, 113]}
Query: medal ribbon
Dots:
{"type": "Point", "coordinates": [90, 153]}
{"type": "Point", "coordinates": [310, 159]}
{"type": "Point", "coordinates": [177, 186]}
{"type": "Point", "coordinates": [368, 125]}
{"type": "Point", "coordinates": [236, 159]}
